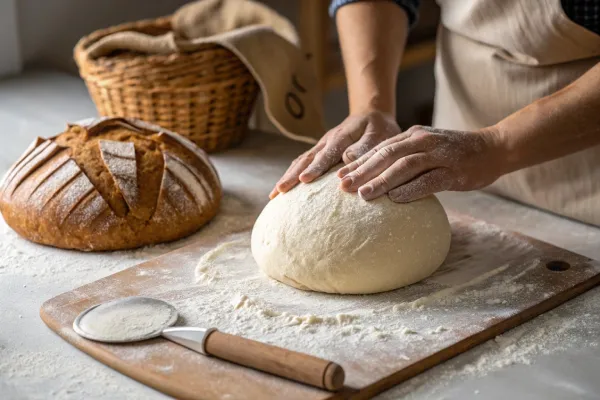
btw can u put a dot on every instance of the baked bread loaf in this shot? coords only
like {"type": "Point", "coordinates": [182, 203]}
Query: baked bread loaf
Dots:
{"type": "Point", "coordinates": [110, 184]}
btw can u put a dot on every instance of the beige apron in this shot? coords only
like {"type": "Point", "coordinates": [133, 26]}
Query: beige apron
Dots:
{"type": "Point", "coordinates": [497, 56]}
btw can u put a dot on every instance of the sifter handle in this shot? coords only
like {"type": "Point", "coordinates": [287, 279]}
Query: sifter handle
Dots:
{"type": "Point", "coordinates": [275, 360]}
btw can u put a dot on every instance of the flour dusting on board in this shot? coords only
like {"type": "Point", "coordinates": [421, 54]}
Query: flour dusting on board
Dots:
{"type": "Point", "coordinates": [221, 286]}
{"type": "Point", "coordinates": [255, 304]}
{"type": "Point", "coordinates": [126, 320]}
{"type": "Point", "coordinates": [481, 279]}
{"type": "Point", "coordinates": [549, 333]}
{"type": "Point", "coordinates": [31, 363]}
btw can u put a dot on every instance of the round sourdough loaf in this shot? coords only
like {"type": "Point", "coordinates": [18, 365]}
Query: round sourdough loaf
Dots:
{"type": "Point", "coordinates": [110, 184]}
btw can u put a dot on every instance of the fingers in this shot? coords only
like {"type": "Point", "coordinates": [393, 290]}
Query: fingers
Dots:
{"type": "Point", "coordinates": [326, 158]}
{"type": "Point", "coordinates": [359, 148]}
{"type": "Point", "coordinates": [291, 176]}
{"type": "Point", "coordinates": [375, 162]}
{"type": "Point", "coordinates": [340, 140]}
{"type": "Point", "coordinates": [320, 158]}
{"type": "Point", "coordinates": [434, 181]}
{"type": "Point", "coordinates": [349, 141]}
{"type": "Point", "coordinates": [400, 172]}
{"type": "Point", "coordinates": [273, 193]}
{"type": "Point", "coordinates": [366, 156]}
{"type": "Point", "coordinates": [342, 172]}
{"type": "Point", "coordinates": [362, 146]}
{"type": "Point", "coordinates": [377, 130]}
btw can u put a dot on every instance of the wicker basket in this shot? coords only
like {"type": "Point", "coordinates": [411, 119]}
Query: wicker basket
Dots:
{"type": "Point", "coordinates": [206, 95]}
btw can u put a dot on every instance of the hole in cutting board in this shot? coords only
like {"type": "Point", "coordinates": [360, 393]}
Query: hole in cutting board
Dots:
{"type": "Point", "coordinates": [558, 265]}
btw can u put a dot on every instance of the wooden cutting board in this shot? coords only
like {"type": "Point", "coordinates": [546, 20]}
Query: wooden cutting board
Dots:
{"type": "Point", "coordinates": [483, 260]}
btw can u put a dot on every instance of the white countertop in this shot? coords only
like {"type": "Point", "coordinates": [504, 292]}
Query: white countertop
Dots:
{"type": "Point", "coordinates": [555, 356]}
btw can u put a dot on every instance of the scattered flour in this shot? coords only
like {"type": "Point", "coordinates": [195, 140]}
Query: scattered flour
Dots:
{"type": "Point", "coordinates": [128, 319]}
{"type": "Point", "coordinates": [448, 292]}
{"type": "Point", "coordinates": [439, 329]}
{"type": "Point", "coordinates": [119, 158]}
{"type": "Point", "coordinates": [187, 180]}
{"type": "Point", "coordinates": [72, 194]}
{"type": "Point", "coordinates": [552, 332]}
{"type": "Point", "coordinates": [463, 296]}
{"type": "Point", "coordinates": [30, 371]}
{"type": "Point", "coordinates": [224, 289]}
{"type": "Point", "coordinates": [34, 362]}
{"type": "Point", "coordinates": [54, 184]}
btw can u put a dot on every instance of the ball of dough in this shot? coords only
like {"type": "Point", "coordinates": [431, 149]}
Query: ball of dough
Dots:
{"type": "Point", "coordinates": [318, 237]}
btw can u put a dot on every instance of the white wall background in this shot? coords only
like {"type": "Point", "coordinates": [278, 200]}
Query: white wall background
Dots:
{"type": "Point", "coordinates": [10, 52]}
{"type": "Point", "coordinates": [42, 33]}
{"type": "Point", "coordinates": [49, 29]}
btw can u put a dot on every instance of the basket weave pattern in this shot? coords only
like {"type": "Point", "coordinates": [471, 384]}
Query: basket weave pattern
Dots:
{"type": "Point", "coordinates": [206, 95]}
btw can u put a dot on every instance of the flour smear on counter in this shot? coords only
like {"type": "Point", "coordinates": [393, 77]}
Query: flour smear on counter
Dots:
{"type": "Point", "coordinates": [236, 298]}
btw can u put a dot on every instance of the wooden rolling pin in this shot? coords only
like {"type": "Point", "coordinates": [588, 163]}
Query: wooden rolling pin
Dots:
{"type": "Point", "coordinates": [276, 360]}
{"type": "Point", "coordinates": [288, 364]}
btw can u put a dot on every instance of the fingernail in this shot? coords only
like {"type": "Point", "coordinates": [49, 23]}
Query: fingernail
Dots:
{"type": "Point", "coordinates": [304, 177]}
{"type": "Point", "coordinates": [342, 172]}
{"type": "Point", "coordinates": [347, 181]}
{"type": "Point", "coordinates": [365, 191]}
{"type": "Point", "coordinates": [350, 155]}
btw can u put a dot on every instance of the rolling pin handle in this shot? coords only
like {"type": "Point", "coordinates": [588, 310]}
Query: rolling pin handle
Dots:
{"type": "Point", "coordinates": [289, 364]}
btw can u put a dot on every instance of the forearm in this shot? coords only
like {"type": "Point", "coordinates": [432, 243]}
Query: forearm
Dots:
{"type": "Point", "coordinates": [372, 37]}
{"type": "Point", "coordinates": [554, 126]}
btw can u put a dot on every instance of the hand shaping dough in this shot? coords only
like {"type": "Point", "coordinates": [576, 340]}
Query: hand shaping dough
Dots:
{"type": "Point", "coordinates": [317, 237]}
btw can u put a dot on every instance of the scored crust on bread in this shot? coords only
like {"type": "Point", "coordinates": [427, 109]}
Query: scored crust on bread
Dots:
{"type": "Point", "coordinates": [109, 184]}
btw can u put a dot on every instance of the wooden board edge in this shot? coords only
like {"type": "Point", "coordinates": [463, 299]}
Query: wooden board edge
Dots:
{"type": "Point", "coordinates": [184, 248]}
{"type": "Point", "coordinates": [155, 382]}
{"type": "Point", "coordinates": [159, 383]}
{"type": "Point", "coordinates": [529, 239]}
{"type": "Point", "coordinates": [475, 340]}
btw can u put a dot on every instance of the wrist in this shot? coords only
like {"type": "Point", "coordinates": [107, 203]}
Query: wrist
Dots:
{"type": "Point", "coordinates": [373, 105]}
{"type": "Point", "coordinates": [501, 157]}
{"type": "Point", "coordinates": [374, 114]}
{"type": "Point", "coordinates": [509, 139]}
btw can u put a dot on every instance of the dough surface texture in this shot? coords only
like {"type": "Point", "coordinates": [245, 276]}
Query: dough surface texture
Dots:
{"type": "Point", "coordinates": [318, 237]}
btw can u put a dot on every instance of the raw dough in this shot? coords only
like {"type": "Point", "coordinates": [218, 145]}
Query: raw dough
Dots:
{"type": "Point", "coordinates": [317, 237]}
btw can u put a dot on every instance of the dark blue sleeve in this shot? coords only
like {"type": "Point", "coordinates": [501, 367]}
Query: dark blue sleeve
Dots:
{"type": "Point", "coordinates": [410, 6]}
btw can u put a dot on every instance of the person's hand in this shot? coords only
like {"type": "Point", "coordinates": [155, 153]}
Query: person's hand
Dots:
{"type": "Point", "coordinates": [355, 136]}
{"type": "Point", "coordinates": [423, 161]}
